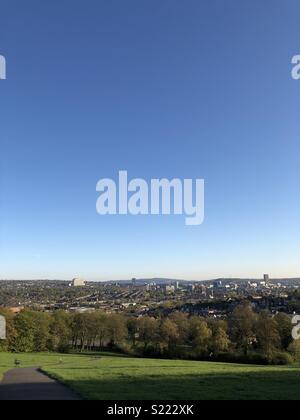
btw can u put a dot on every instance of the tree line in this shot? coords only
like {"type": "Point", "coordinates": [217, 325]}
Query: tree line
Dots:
{"type": "Point", "coordinates": [245, 336]}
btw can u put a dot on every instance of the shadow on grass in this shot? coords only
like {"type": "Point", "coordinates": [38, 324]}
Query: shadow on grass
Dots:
{"type": "Point", "coordinates": [226, 386]}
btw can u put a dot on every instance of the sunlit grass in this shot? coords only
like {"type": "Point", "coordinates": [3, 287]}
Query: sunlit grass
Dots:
{"type": "Point", "coordinates": [115, 377]}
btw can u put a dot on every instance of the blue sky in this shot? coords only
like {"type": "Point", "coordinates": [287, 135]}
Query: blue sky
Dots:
{"type": "Point", "coordinates": [161, 88]}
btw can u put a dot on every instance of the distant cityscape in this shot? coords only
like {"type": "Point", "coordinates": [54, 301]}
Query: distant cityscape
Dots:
{"type": "Point", "coordinates": [138, 297]}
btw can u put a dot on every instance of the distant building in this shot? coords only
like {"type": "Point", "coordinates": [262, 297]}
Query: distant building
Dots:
{"type": "Point", "coordinates": [77, 282]}
{"type": "Point", "coordinates": [82, 310]}
{"type": "Point", "coordinates": [133, 282]}
{"type": "Point", "coordinates": [266, 278]}
{"type": "Point", "coordinates": [150, 286]}
{"type": "Point", "coordinates": [263, 283]}
{"type": "Point", "coordinates": [16, 310]}
{"type": "Point", "coordinates": [128, 305]}
{"type": "Point", "coordinates": [169, 289]}
{"type": "Point", "coordinates": [218, 284]}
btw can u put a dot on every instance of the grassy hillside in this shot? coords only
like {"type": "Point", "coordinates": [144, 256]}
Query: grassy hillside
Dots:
{"type": "Point", "coordinates": [114, 377]}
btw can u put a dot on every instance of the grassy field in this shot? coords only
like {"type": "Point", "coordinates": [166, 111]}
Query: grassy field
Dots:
{"type": "Point", "coordinates": [114, 377]}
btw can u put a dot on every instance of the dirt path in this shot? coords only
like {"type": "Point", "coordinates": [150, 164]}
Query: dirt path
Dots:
{"type": "Point", "coordinates": [31, 385]}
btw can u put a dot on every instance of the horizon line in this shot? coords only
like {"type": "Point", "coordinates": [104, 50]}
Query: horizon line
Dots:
{"type": "Point", "coordinates": [156, 278]}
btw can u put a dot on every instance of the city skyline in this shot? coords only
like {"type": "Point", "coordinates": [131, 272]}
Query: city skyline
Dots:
{"type": "Point", "coordinates": [158, 279]}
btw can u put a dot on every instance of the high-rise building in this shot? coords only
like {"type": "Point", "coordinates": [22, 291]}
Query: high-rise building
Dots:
{"type": "Point", "coordinates": [266, 278]}
{"type": "Point", "coordinates": [133, 282]}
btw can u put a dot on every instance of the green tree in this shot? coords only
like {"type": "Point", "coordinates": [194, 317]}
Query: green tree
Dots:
{"type": "Point", "coordinates": [284, 327]}
{"type": "Point", "coordinates": [60, 331]}
{"type": "Point", "coordinates": [200, 335]}
{"type": "Point", "coordinates": [11, 333]}
{"type": "Point", "coordinates": [170, 334]}
{"type": "Point", "coordinates": [117, 330]}
{"type": "Point", "coordinates": [133, 328]}
{"type": "Point", "coordinates": [220, 340]}
{"type": "Point", "coordinates": [294, 350]}
{"type": "Point", "coordinates": [267, 335]}
{"type": "Point", "coordinates": [80, 326]}
{"type": "Point", "coordinates": [102, 329]}
{"type": "Point", "coordinates": [147, 330]}
{"type": "Point", "coordinates": [182, 322]}
{"type": "Point", "coordinates": [41, 331]}
{"type": "Point", "coordinates": [25, 326]}
{"type": "Point", "coordinates": [242, 327]}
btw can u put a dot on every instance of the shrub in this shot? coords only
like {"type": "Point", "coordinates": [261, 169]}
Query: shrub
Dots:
{"type": "Point", "coordinates": [251, 358]}
{"type": "Point", "coordinates": [281, 359]}
{"type": "Point", "coordinates": [294, 350]}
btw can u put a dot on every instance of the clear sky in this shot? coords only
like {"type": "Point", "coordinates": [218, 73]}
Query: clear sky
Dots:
{"type": "Point", "coordinates": [161, 88]}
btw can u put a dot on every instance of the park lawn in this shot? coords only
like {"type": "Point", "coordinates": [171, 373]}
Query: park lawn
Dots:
{"type": "Point", "coordinates": [113, 377]}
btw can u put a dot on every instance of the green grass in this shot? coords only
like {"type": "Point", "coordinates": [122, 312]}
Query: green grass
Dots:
{"type": "Point", "coordinates": [115, 377]}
